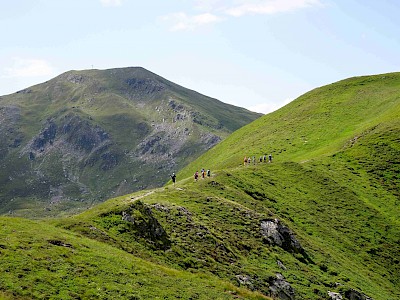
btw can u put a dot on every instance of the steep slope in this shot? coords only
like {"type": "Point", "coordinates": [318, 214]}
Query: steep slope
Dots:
{"type": "Point", "coordinates": [323, 217]}
{"type": "Point", "coordinates": [88, 135]}
{"type": "Point", "coordinates": [320, 123]}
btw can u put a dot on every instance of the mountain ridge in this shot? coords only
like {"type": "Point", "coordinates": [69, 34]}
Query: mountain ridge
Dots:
{"type": "Point", "coordinates": [88, 135]}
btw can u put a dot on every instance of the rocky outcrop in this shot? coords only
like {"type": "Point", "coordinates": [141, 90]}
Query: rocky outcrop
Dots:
{"type": "Point", "coordinates": [145, 225]}
{"type": "Point", "coordinates": [82, 134]}
{"type": "Point", "coordinates": [75, 78]}
{"type": "Point", "coordinates": [245, 280]}
{"type": "Point", "coordinates": [335, 296]}
{"type": "Point", "coordinates": [140, 87]}
{"type": "Point", "coordinates": [280, 288]}
{"type": "Point", "coordinates": [350, 294]}
{"type": "Point", "coordinates": [276, 233]}
{"type": "Point", "coordinates": [70, 130]}
{"type": "Point", "coordinates": [45, 137]}
{"type": "Point", "coordinates": [355, 295]}
{"type": "Point", "coordinates": [72, 134]}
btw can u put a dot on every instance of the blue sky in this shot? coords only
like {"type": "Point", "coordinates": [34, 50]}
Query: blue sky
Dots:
{"type": "Point", "coordinates": [258, 54]}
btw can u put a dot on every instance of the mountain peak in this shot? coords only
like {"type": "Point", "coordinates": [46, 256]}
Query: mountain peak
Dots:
{"type": "Point", "coordinates": [92, 134]}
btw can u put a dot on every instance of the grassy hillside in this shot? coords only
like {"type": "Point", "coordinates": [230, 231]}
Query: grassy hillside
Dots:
{"type": "Point", "coordinates": [322, 217]}
{"type": "Point", "coordinates": [39, 261]}
{"type": "Point", "coordinates": [335, 174]}
{"type": "Point", "coordinates": [350, 238]}
{"type": "Point", "coordinates": [322, 122]}
{"type": "Point", "coordinates": [86, 136]}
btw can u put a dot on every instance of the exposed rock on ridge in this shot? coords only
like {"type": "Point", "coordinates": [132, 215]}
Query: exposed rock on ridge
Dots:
{"type": "Point", "coordinates": [277, 233]}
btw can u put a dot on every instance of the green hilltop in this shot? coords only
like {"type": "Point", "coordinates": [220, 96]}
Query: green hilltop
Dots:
{"type": "Point", "coordinates": [321, 123]}
{"type": "Point", "coordinates": [322, 219]}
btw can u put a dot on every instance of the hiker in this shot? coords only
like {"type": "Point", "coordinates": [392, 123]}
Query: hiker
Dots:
{"type": "Point", "coordinates": [196, 175]}
{"type": "Point", "coordinates": [270, 158]}
{"type": "Point", "coordinates": [249, 160]}
{"type": "Point", "coordinates": [173, 177]}
{"type": "Point", "coordinates": [203, 173]}
{"type": "Point", "coordinates": [265, 157]}
{"type": "Point", "coordinates": [208, 173]}
{"type": "Point", "coordinates": [254, 160]}
{"type": "Point", "coordinates": [261, 159]}
{"type": "Point", "coordinates": [245, 161]}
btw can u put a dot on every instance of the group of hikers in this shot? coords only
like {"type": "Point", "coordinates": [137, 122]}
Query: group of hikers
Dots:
{"type": "Point", "coordinates": [263, 158]}
{"type": "Point", "coordinates": [247, 161]}
{"type": "Point", "coordinates": [204, 173]}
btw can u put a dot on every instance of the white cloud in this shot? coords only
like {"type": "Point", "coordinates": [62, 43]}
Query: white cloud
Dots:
{"type": "Point", "coordinates": [28, 68]}
{"type": "Point", "coordinates": [269, 6]}
{"type": "Point", "coordinates": [182, 21]}
{"type": "Point", "coordinates": [219, 10]}
{"type": "Point", "coordinates": [108, 3]}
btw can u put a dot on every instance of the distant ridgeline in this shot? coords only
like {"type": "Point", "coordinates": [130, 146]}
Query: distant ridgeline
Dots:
{"type": "Point", "coordinates": [85, 136]}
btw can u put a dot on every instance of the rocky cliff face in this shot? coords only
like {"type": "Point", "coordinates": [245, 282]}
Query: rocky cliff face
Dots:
{"type": "Point", "coordinates": [85, 136]}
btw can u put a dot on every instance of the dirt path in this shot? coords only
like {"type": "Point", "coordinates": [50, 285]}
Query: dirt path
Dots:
{"type": "Point", "coordinates": [141, 196]}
